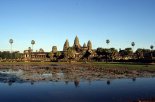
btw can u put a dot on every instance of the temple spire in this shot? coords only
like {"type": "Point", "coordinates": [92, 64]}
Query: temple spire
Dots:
{"type": "Point", "coordinates": [84, 45]}
{"type": "Point", "coordinates": [66, 45]}
{"type": "Point", "coordinates": [76, 41]}
{"type": "Point", "coordinates": [76, 44]}
{"type": "Point", "coordinates": [54, 49]}
{"type": "Point", "coordinates": [89, 45]}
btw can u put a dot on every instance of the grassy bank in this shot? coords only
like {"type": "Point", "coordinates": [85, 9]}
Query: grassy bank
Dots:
{"type": "Point", "coordinates": [128, 66]}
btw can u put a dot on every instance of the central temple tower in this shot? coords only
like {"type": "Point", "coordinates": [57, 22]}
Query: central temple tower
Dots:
{"type": "Point", "coordinates": [76, 44]}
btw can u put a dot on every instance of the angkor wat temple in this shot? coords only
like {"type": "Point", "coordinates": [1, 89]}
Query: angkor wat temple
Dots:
{"type": "Point", "coordinates": [54, 55]}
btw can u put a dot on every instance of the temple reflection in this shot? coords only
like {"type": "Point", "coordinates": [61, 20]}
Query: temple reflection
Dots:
{"type": "Point", "coordinates": [76, 83]}
{"type": "Point", "coordinates": [36, 73]}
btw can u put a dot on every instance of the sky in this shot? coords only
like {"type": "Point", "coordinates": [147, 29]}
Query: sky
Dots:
{"type": "Point", "coordinates": [51, 22]}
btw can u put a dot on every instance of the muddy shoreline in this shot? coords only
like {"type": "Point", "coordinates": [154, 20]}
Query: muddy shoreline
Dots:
{"type": "Point", "coordinates": [70, 72]}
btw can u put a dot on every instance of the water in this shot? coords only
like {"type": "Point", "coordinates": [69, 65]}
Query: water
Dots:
{"type": "Point", "coordinates": [14, 89]}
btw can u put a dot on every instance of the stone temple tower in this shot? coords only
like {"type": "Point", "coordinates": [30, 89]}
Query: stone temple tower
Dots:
{"type": "Point", "coordinates": [66, 45]}
{"type": "Point", "coordinates": [54, 49]}
{"type": "Point", "coordinates": [89, 45]}
{"type": "Point", "coordinates": [76, 44]}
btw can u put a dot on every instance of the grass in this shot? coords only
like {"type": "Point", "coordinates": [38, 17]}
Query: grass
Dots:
{"type": "Point", "coordinates": [129, 66]}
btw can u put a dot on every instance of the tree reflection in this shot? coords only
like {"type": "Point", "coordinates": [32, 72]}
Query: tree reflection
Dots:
{"type": "Point", "coordinates": [66, 82]}
{"type": "Point", "coordinates": [108, 82]}
{"type": "Point", "coordinates": [10, 83]}
{"type": "Point", "coordinates": [133, 79]}
{"type": "Point", "coordinates": [32, 82]}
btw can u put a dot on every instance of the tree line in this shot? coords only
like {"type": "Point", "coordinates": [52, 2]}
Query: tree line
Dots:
{"type": "Point", "coordinates": [9, 55]}
{"type": "Point", "coordinates": [99, 54]}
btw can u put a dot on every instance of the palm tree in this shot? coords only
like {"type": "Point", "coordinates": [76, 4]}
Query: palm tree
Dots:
{"type": "Point", "coordinates": [32, 42]}
{"type": "Point", "coordinates": [107, 41]}
{"type": "Point", "coordinates": [11, 42]}
{"type": "Point", "coordinates": [151, 50]}
{"type": "Point", "coordinates": [151, 47]}
{"type": "Point", "coordinates": [133, 44]}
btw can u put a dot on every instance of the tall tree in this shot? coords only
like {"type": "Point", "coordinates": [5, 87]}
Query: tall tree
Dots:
{"type": "Point", "coordinates": [129, 52]}
{"type": "Point", "coordinates": [99, 51]}
{"type": "Point", "coordinates": [41, 50]}
{"type": "Point", "coordinates": [11, 42]}
{"type": "Point", "coordinates": [133, 44]}
{"type": "Point", "coordinates": [32, 42]}
{"type": "Point", "coordinates": [151, 47]}
{"type": "Point", "coordinates": [70, 54]}
{"type": "Point", "coordinates": [58, 54]}
{"type": "Point", "coordinates": [126, 53]}
{"type": "Point", "coordinates": [113, 53]}
{"type": "Point", "coordinates": [139, 53]}
{"type": "Point", "coordinates": [107, 41]}
{"type": "Point", "coordinates": [103, 54]}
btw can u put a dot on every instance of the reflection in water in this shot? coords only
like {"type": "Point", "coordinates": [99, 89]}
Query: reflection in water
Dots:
{"type": "Point", "coordinates": [32, 83]}
{"type": "Point", "coordinates": [108, 82]}
{"type": "Point", "coordinates": [121, 90]}
{"type": "Point", "coordinates": [76, 83]}
{"type": "Point", "coordinates": [46, 85]}
{"type": "Point", "coordinates": [66, 82]}
{"type": "Point", "coordinates": [133, 79]}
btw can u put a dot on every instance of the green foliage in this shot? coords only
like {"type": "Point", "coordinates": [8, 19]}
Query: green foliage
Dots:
{"type": "Point", "coordinates": [104, 53]}
{"type": "Point", "coordinates": [133, 44]}
{"type": "Point", "coordinates": [139, 53]}
{"type": "Point", "coordinates": [86, 55]}
{"type": "Point", "coordinates": [41, 50]}
{"type": "Point", "coordinates": [58, 54]}
{"type": "Point", "coordinates": [113, 53]}
{"type": "Point", "coordinates": [8, 55]}
{"type": "Point", "coordinates": [32, 42]}
{"type": "Point", "coordinates": [70, 53]}
{"type": "Point", "coordinates": [127, 52]}
{"type": "Point", "coordinates": [107, 41]}
{"type": "Point", "coordinates": [17, 55]}
{"type": "Point", "coordinates": [50, 54]}
{"type": "Point", "coordinates": [151, 47]}
{"type": "Point", "coordinates": [11, 41]}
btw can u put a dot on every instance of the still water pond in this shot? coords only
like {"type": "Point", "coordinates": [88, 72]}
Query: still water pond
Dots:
{"type": "Point", "coordinates": [106, 90]}
{"type": "Point", "coordinates": [118, 90]}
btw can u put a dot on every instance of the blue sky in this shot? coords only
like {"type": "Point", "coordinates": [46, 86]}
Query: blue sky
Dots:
{"type": "Point", "coordinates": [51, 22]}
